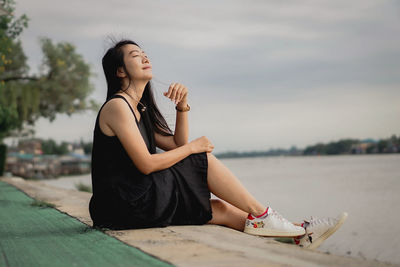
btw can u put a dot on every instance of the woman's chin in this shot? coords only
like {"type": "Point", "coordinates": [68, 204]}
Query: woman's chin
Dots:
{"type": "Point", "coordinates": [149, 77]}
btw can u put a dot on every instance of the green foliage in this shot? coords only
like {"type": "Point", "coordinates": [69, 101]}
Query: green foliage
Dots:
{"type": "Point", "coordinates": [62, 85]}
{"type": "Point", "coordinates": [63, 148]}
{"type": "Point", "coordinates": [83, 187]}
{"type": "Point", "coordinates": [382, 144]}
{"type": "Point", "coordinates": [8, 119]}
{"type": "Point", "coordinates": [3, 153]}
{"type": "Point", "coordinates": [248, 154]}
{"type": "Point", "coordinates": [347, 146]}
{"type": "Point", "coordinates": [50, 147]}
{"type": "Point", "coordinates": [8, 23]}
{"type": "Point", "coordinates": [42, 204]}
{"type": "Point", "coordinates": [333, 148]}
{"type": "Point", "coordinates": [344, 146]}
{"type": "Point", "coordinates": [87, 147]}
{"type": "Point", "coordinates": [390, 145]}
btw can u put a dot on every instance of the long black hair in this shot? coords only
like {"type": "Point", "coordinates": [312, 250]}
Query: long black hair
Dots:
{"type": "Point", "coordinates": [112, 60]}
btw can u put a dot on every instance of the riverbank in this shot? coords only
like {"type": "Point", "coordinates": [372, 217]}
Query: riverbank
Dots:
{"type": "Point", "coordinates": [190, 245]}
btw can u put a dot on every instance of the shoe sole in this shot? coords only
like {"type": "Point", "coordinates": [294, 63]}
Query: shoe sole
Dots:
{"type": "Point", "coordinates": [315, 244]}
{"type": "Point", "coordinates": [272, 233]}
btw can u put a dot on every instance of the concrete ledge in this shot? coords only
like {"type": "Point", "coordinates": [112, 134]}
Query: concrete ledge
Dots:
{"type": "Point", "coordinates": [191, 245]}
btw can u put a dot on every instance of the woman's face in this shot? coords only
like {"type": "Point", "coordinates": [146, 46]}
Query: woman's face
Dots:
{"type": "Point", "coordinates": [137, 63]}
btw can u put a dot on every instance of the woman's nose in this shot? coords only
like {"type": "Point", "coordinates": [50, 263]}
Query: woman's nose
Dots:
{"type": "Point", "coordinates": [145, 59]}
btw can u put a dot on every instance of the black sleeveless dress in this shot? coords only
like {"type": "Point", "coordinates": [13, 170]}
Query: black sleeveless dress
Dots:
{"type": "Point", "coordinates": [125, 198]}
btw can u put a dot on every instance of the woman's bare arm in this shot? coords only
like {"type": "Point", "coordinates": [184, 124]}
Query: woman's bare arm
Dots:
{"type": "Point", "coordinates": [178, 93]}
{"type": "Point", "coordinates": [165, 142]}
{"type": "Point", "coordinates": [125, 128]}
{"type": "Point", "coordinates": [181, 135]}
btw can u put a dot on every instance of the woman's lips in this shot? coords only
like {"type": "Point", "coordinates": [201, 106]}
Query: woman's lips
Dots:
{"type": "Point", "coordinates": [148, 67]}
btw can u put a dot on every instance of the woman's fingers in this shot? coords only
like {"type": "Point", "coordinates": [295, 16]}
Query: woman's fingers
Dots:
{"type": "Point", "coordinates": [179, 96]}
{"type": "Point", "coordinates": [182, 93]}
{"type": "Point", "coordinates": [176, 92]}
{"type": "Point", "coordinates": [170, 90]}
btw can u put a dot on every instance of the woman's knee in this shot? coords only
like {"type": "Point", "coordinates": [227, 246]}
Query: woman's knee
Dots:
{"type": "Point", "coordinates": [210, 156]}
{"type": "Point", "coordinates": [219, 211]}
{"type": "Point", "coordinates": [219, 205]}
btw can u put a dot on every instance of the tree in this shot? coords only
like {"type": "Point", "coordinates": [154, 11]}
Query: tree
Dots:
{"type": "Point", "coordinates": [61, 86]}
{"type": "Point", "coordinates": [382, 146]}
{"type": "Point", "coordinates": [87, 147]}
{"type": "Point", "coordinates": [12, 62]}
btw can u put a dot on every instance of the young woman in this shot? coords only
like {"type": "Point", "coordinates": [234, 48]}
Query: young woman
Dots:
{"type": "Point", "coordinates": [135, 187]}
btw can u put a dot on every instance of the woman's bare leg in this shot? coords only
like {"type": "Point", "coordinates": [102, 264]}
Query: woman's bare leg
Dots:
{"type": "Point", "coordinates": [227, 215]}
{"type": "Point", "coordinates": [224, 184]}
{"type": "Point", "coordinates": [239, 202]}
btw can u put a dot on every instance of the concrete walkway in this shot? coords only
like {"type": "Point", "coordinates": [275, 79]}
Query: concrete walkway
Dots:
{"type": "Point", "coordinates": [209, 245]}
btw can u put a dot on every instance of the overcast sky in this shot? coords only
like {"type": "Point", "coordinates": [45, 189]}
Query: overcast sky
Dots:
{"type": "Point", "coordinates": [260, 74]}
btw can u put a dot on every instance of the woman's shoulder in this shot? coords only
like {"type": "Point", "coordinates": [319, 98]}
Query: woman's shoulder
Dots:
{"type": "Point", "coordinates": [116, 99]}
{"type": "Point", "coordinates": [111, 109]}
{"type": "Point", "coordinates": [115, 104]}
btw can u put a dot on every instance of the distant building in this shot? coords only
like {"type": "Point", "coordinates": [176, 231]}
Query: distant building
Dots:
{"type": "Point", "coordinates": [363, 146]}
{"type": "Point", "coordinates": [77, 149]}
{"type": "Point", "coordinates": [33, 166]}
{"type": "Point", "coordinates": [32, 146]}
{"type": "Point", "coordinates": [46, 166]}
{"type": "Point", "coordinates": [27, 160]}
{"type": "Point", "coordinates": [74, 163]}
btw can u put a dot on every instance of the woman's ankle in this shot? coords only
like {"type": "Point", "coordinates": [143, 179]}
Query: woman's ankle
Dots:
{"type": "Point", "coordinates": [257, 211]}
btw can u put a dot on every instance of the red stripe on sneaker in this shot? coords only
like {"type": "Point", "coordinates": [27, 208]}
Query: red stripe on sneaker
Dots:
{"type": "Point", "coordinates": [262, 214]}
{"type": "Point", "coordinates": [250, 217]}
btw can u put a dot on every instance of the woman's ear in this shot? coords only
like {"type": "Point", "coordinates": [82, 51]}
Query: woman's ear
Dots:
{"type": "Point", "coordinates": [121, 73]}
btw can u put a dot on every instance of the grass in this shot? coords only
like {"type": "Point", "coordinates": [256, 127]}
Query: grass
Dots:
{"type": "Point", "coordinates": [83, 187]}
{"type": "Point", "coordinates": [42, 204]}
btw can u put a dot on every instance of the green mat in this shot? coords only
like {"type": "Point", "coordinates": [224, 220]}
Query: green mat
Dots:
{"type": "Point", "coordinates": [31, 235]}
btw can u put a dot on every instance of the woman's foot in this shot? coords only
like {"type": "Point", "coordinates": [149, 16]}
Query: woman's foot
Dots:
{"type": "Point", "coordinates": [271, 224]}
{"type": "Point", "coordinates": [317, 230]}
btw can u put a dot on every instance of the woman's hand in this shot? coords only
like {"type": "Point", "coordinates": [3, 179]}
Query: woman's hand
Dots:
{"type": "Point", "coordinates": [177, 92]}
{"type": "Point", "coordinates": [201, 144]}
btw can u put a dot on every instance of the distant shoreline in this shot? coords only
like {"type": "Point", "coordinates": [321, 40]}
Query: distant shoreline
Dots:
{"type": "Point", "coordinates": [228, 155]}
{"type": "Point", "coordinates": [390, 145]}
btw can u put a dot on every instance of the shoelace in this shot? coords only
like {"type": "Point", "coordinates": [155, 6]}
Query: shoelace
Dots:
{"type": "Point", "coordinates": [314, 222]}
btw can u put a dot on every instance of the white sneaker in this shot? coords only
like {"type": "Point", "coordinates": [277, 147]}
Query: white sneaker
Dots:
{"type": "Point", "coordinates": [317, 230]}
{"type": "Point", "coordinates": [271, 223]}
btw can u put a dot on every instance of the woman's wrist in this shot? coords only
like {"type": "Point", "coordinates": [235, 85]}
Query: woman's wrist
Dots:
{"type": "Point", "coordinates": [187, 108]}
{"type": "Point", "coordinates": [182, 103]}
{"type": "Point", "coordinates": [182, 106]}
{"type": "Point", "coordinates": [190, 146]}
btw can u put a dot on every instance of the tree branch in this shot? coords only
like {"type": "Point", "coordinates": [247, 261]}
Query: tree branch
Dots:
{"type": "Point", "coordinates": [19, 78]}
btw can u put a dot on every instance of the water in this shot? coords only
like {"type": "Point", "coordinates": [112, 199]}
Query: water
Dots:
{"type": "Point", "coordinates": [366, 186]}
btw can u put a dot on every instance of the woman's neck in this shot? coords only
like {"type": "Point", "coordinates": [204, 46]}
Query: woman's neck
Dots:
{"type": "Point", "coordinates": [135, 90]}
